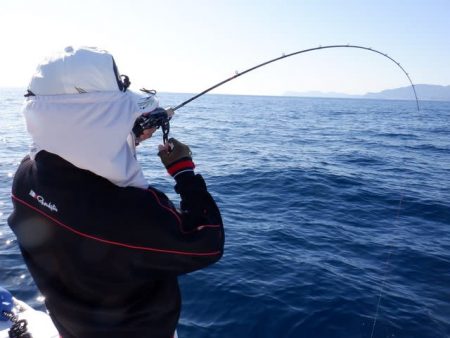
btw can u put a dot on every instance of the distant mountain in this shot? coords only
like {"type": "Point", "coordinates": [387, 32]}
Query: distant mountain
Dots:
{"type": "Point", "coordinates": [424, 92]}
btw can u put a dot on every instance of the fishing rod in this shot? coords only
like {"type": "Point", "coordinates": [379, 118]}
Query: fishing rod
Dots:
{"type": "Point", "coordinates": [238, 74]}
{"type": "Point", "coordinates": [160, 118]}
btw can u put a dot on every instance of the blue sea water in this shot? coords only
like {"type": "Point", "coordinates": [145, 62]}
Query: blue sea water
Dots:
{"type": "Point", "coordinates": [337, 215]}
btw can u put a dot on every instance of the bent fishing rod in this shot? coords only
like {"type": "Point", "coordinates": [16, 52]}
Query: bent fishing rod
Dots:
{"type": "Point", "coordinates": [159, 118]}
{"type": "Point", "coordinates": [238, 74]}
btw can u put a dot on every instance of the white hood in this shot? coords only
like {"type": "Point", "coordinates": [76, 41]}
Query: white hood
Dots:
{"type": "Point", "coordinates": [74, 71]}
{"type": "Point", "coordinates": [91, 130]}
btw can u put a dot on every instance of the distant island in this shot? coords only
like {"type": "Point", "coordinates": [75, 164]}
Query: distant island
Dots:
{"type": "Point", "coordinates": [425, 92]}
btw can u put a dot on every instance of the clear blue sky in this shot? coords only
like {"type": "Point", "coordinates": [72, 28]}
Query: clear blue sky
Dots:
{"type": "Point", "coordinates": [186, 46]}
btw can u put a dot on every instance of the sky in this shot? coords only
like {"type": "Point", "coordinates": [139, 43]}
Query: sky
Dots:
{"type": "Point", "coordinates": [189, 45]}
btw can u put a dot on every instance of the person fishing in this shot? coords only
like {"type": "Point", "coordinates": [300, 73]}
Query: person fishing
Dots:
{"type": "Point", "coordinates": [103, 246]}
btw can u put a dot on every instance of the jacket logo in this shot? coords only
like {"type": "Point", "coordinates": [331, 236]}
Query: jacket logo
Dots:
{"type": "Point", "coordinates": [42, 201]}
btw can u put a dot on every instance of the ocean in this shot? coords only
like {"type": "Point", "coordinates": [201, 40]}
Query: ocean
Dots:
{"type": "Point", "coordinates": [337, 215]}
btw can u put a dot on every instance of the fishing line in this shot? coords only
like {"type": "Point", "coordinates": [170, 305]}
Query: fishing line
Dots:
{"type": "Point", "coordinates": [238, 74]}
{"type": "Point", "coordinates": [387, 264]}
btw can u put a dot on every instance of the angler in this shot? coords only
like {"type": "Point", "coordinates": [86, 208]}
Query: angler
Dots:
{"type": "Point", "coordinates": [106, 248]}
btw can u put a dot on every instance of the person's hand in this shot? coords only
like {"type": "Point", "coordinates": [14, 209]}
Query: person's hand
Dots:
{"type": "Point", "coordinates": [173, 151]}
{"type": "Point", "coordinates": [146, 134]}
{"type": "Point", "coordinates": [170, 112]}
{"type": "Point", "coordinates": [176, 157]}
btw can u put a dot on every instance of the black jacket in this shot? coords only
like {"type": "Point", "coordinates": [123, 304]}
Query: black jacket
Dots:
{"type": "Point", "coordinates": [107, 258]}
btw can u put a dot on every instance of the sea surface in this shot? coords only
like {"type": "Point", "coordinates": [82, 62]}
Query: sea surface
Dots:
{"type": "Point", "coordinates": [337, 215]}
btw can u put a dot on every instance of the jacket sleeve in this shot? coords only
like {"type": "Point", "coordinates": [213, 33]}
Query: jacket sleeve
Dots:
{"type": "Point", "coordinates": [187, 239]}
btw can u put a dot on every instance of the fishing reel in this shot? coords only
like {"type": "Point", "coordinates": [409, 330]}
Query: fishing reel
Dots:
{"type": "Point", "coordinates": [157, 118]}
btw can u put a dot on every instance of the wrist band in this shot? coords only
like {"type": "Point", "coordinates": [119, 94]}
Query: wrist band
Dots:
{"type": "Point", "coordinates": [182, 165]}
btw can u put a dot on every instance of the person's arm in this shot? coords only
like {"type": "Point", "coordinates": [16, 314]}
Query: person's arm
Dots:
{"type": "Point", "coordinates": [190, 238]}
{"type": "Point", "coordinates": [197, 206]}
